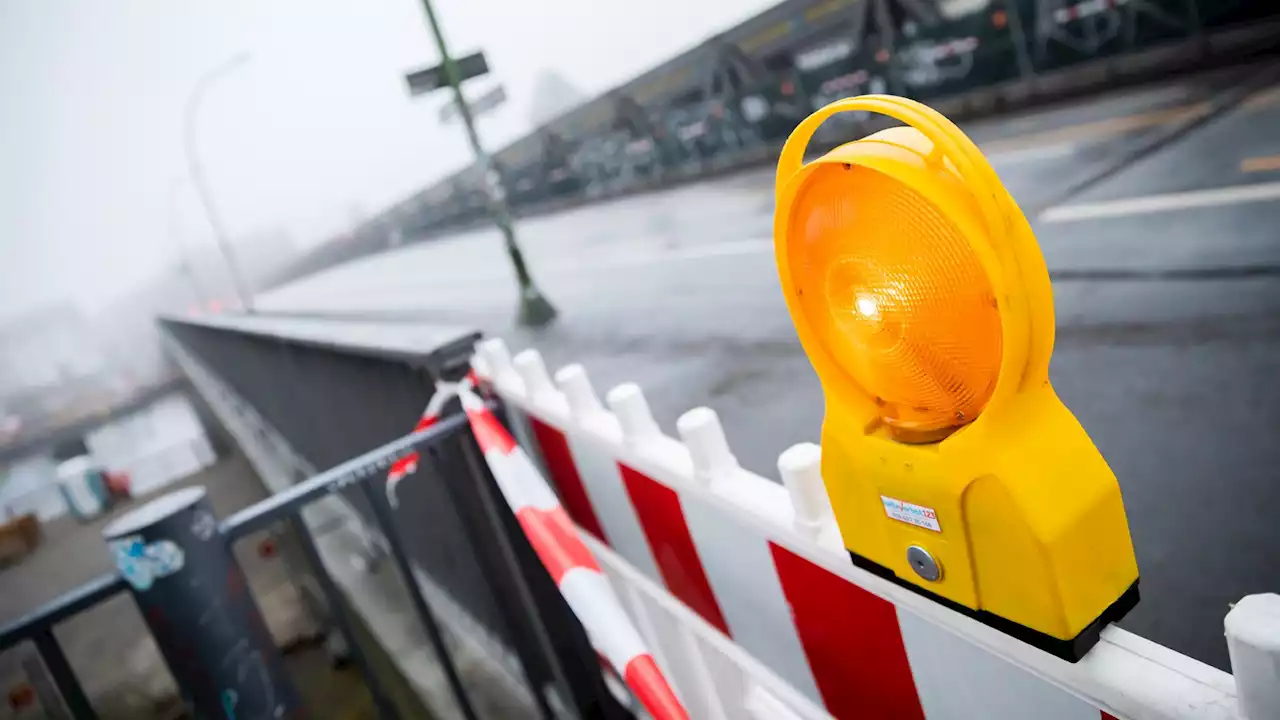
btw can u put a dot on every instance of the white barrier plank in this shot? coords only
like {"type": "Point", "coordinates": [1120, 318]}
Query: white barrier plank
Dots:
{"type": "Point", "coordinates": [955, 678]}
{"type": "Point", "coordinates": [691, 652]}
{"type": "Point", "coordinates": [599, 472]}
{"type": "Point", "coordinates": [750, 595]}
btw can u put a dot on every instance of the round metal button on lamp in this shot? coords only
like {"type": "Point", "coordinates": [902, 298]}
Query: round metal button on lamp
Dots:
{"type": "Point", "coordinates": [924, 564]}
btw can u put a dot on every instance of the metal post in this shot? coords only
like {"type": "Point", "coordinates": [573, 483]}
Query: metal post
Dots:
{"type": "Point", "coordinates": [339, 613]}
{"type": "Point", "coordinates": [196, 171]}
{"type": "Point", "coordinates": [63, 676]}
{"type": "Point", "coordinates": [196, 603]}
{"type": "Point", "coordinates": [382, 512]}
{"type": "Point", "coordinates": [535, 309]}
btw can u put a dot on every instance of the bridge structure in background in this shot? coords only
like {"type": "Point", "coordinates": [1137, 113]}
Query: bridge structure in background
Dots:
{"type": "Point", "coordinates": [50, 437]}
{"type": "Point", "coordinates": [730, 102]}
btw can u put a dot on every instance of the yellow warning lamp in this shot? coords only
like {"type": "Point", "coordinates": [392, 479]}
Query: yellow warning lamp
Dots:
{"type": "Point", "coordinates": [921, 298]}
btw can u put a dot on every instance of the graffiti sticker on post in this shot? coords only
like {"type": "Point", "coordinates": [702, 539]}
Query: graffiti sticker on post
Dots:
{"type": "Point", "coordinates": [142, 564]}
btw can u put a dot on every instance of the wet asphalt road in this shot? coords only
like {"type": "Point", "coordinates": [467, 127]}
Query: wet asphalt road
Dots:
{"type": "Point", "coordinates": [1168, 344]}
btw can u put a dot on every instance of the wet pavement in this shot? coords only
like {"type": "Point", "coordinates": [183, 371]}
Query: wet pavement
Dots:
{"type": "Point", "coordinates": [1168, 315]}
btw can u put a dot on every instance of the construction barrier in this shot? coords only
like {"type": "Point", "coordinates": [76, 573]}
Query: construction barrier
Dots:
{"type": "Point", "coordinates": [753, 608]}
{"type": "Point", "coordinates": [552, 535]}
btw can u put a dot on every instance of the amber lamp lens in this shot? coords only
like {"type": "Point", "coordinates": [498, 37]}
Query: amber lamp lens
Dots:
{"type": "Point", "coordinates": [896, 295]}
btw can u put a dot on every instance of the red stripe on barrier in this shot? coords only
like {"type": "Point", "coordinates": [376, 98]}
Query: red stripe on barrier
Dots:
{"type": "Point", "coordinates": [424, 422]}
{"type": "Point", "coordinates": [564, 473]}
{"type": "Point", "coordinates": [852, 641]}
{"type": "Point", "coordinates": [651, 689]}
{"type": "Point", "coordinates": [555, 540]}
{"type": "Point", "coordinates": [663, 522]}
{"type": "Point", "coordinates": [1108, 716]}
{"type": "Point", "coordinates": [490, 434]}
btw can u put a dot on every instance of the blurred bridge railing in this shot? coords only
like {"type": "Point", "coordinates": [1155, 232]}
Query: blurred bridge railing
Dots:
{"type": "Point", "coordinates": [730, 102]}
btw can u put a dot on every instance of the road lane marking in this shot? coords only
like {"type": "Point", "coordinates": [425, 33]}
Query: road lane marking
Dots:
{"type": "Point", "coordinates": [703, 251]}
{"type": "Point", "coordinates": [1262, 98]}
{"type": "Point", "coordinates": [1032, 154]}
{"type": "Point", "coordinates": [1264, 163]}
{"type": "Point", "coordinates": [1102, 128]}
{"type": "Point", "coordinates": [1234, 195]}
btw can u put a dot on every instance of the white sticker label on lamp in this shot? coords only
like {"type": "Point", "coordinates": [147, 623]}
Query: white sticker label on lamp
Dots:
{"type": "Point", "coordinates": [912, 514]}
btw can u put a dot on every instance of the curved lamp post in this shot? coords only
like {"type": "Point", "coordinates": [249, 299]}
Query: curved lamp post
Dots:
{"type": "Point", "coordinates": [190, 116]}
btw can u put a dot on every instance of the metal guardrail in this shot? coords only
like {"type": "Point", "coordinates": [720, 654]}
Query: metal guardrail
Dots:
{"type": "Point", "coordinates": [333, 391]}
{"type": "Point", "coordinates": [359, 473]}
{"type": "Point", "coordinates": [330, 389]}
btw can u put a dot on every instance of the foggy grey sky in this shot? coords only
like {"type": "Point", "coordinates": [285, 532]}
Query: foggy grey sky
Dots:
{"type": "Point", "coordinates": [313, 132]}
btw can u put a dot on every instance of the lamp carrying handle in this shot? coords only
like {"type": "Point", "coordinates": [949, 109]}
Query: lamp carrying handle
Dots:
{"type": "Point", "coordinates": [948, 141]}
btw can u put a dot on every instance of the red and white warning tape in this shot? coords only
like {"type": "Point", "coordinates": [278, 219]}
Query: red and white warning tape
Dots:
{"type": "Point", "coordinates": [554, 538]}
{"type": "Point", "coordinates": [408, 465]}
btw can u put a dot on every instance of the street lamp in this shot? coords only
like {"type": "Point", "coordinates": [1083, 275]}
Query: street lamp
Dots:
{"type": "Point", "coordinates": [175, 235]}
{"type": "Point", "coordinates": [196, 171]}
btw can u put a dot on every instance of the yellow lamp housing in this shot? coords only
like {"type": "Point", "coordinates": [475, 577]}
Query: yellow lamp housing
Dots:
{"type": "Point", "coordinates": [921, 298]}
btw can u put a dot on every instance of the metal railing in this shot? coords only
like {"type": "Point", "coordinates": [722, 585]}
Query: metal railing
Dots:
{"type": "Point", "coordinates": [356, 473]}
{"type": "Point", "coordinates": [449, 528]}
{"type": "Point", "coordinates": [331, 389]}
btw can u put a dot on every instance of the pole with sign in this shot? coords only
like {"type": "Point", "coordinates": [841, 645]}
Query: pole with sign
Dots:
{"type": "Point", "coordinates": [535, 309]}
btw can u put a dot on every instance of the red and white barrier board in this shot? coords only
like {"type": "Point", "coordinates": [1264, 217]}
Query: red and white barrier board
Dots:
{"type": "Point", "coordinates": [762, 564]}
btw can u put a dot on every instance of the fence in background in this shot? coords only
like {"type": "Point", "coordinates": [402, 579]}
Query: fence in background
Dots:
{"type": "Point", "coordinates": [731, 101]}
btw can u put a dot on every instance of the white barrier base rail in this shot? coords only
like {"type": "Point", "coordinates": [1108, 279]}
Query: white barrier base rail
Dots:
{"type": "Point", "coordinates": [745, 592]}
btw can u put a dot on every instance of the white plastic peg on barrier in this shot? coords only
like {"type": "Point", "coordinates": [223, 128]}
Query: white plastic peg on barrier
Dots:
{"type": "Point", "coordinates": [584, 404]}
{"type": "Point", "coordinates": [497, 359]}
{"type": "Point", "coordinates": [628, 403]}
{"type": "Point", "coordinates": [801, 469]}
{"type": "Point", "coordinates": [1253, 642]}
{"type": "Point", "coordinates": [704, 437]}
{"type": "Point", "coordinates": [537, 382]}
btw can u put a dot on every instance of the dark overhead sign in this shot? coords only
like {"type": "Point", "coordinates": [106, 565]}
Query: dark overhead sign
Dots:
{"type": "Point", "coordinates": [433, 78]}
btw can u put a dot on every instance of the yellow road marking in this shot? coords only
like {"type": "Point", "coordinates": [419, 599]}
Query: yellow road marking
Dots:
{"type": "Point", "coordinates": [1263, 98]}
{"type": "Point", "coordinates": [1102, 128]}
{"type": "Point", "coordinates": [1262, 163]}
